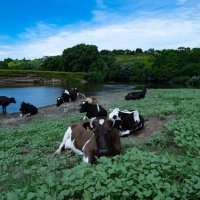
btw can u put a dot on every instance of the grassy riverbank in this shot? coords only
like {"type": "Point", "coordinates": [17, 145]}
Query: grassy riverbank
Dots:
{"type": "Point", "coordinates": [67, 76]}
{"type": "Point", "coordinates": [163, 165]}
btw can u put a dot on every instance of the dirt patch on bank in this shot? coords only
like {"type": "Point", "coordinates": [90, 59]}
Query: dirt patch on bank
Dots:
{"type": "Point", "coordinates": [152, 124]}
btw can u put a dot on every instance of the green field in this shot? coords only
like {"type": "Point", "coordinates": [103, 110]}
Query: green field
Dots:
{"type": "Point", "coordinates": [146, 59]}
{"type": "Point", "coordinates": [166, 166]}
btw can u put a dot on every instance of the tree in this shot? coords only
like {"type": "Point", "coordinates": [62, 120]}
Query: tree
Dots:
{"type": "Point", "coordinates": [52, 63]}
{"type": "Point", "coordinates": [8, 60]}
{"type": "Point", "coordinates": [3, 65]}
{"type": "Point", "coordinates": [138, 51]}
{"type": "Point", "coordinates": [79, 58]}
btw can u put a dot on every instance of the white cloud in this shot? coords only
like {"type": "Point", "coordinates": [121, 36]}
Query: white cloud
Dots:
{"type": "Point", "coordinates": [159, 32]}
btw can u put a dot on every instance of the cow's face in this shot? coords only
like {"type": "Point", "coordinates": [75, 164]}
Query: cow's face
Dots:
{"type": "Point", "coordinates": [60, 101]}
{"type": "Point", "coordinates": [102, 131]}
{"type": "Point", "coordinates": [23, 108]}
{"type": "Point", "coordinates": [114, 114]}
{"type": "Point", "coordinates": [128, 96]}
{"type": "Point", "coordinates": [12, 100]}
{"type": "Point", "coordinates": [84, 107]}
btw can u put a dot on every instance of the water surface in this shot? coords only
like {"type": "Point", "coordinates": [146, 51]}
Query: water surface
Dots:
{"type": "Point", "coordinates": [46, 95]}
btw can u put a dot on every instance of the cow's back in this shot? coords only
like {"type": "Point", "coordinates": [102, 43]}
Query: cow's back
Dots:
{"type": "Point", "coordinates": [4, 100]}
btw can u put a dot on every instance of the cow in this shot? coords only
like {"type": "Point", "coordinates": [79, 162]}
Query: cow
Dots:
{"type": "Point", "coordinates": [92, 139]}
{"type": "Point", "coordinates": [127, 121]}
{"type": "Point", "coordinates": [136, 95]}
{"type": "Point", "coordinates": [92, 110]}
{"type": "Point", "coordinates": [68, 95]}
{"type": "Point", "coordinates": [5, 101]}
{"type": "Point", "coordinates": [27, 109]}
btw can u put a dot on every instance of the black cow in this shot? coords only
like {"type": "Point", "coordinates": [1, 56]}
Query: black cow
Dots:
{"type": "Point", "coordinates": [127, 121]}
{"type": "Point", "coordinates": [5, 101]}
{"type": "Point", "coordinates": [92, 110]}
{"type": "Point", "coordinates": [136, 95]}
{"type": "Point", "coordinates": [27, 109]}
{"type": "Point", "coordinates": [101, 139]}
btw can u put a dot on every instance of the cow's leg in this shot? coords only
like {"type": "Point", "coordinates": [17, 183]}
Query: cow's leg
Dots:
{"type": "Point", "coordinates": [66, 143]}
{"type": "Point", "coordinates": [4, 109]}
{"type": "Point", "coordinates": [65, 107]}
{"type": "Point", "coordinates": [74, 104]}
{"type": "Point", "coordinates": [124, 133]}
{"type": "Point", "coordinates": [89, 157]}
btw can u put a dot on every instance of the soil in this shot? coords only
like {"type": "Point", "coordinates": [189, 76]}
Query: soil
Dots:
{"type": "Point", "coordinates": [152, 124]}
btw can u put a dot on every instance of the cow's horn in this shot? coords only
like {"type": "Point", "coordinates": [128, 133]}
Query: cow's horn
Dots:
{"type": "Point", "coordinates": [111, 119]}
{"type": "Point", "coordinates": [91, 121]}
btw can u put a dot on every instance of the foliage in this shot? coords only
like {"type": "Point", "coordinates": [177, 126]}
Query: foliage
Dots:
{"type": "Point", "coordinates": [51, 63]}
{"type": "Point", "coordinates": [152, 65]}
{"type": "Point", "coordinates": [94, 76]}
{"type": "Point", "coordinates": [65, 76]}
{"type": "Point", "coordinates": [3, 65]}
{"type": "Point", "coordinates": [79, 58]}
{"type": "Point", "coordinates": [166, 166]}
{"type": "Point", "coordinates": [25, 64]}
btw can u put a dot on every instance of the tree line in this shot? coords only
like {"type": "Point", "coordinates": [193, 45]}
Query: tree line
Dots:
{"type": "Point", "coordinates": [118, 65]}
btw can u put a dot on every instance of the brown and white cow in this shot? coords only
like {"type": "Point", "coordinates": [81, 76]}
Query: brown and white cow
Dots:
{"type": "Point", "coordinates": [92, 139]}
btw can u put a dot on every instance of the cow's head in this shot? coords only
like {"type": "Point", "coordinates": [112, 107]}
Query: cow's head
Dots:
{"type": "Point", "coordinates": [114, 114]}
{"type": "Point", "coordinates": [84, 106]}
{"type": "Point", "coordinates": [91, 100]}
{"type": "Point", "coordinates": [60, 101]}
{"type": "Point", "coordinates": [76, 90]}
{"type": "Point", "coordinates": [128, 96]}
{"type": "Point", "coordinates": [23, 108]}
{"type": "Point", "coordinates": [12, 100]}
{"type": "Point", "coordinates": [102, 131]}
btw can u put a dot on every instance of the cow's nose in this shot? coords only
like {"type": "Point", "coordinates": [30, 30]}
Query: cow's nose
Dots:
{"type": "Point", "coordinates": [103, 151]}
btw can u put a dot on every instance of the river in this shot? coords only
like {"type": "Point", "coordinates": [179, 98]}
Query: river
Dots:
{"type": "Point", "coordinates": [46, 95]}
{"type": "Point", "coordinates": [42, 95]}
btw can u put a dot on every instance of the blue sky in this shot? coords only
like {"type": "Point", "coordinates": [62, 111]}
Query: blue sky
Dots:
{"type": "Point", "coordinates": [36, 28]}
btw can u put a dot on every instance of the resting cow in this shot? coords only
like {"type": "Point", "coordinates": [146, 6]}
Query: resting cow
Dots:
{"type": "Point", "coordinates": [127, 121]}
{"type": "Point", "coordinates": [100, 139]}
{"type": "Point", "coordinates": [136, 95]}
{"type": "Point", "coordinates": [68, 95]}
{"type": "Point", "coordinates": [5, 101]}
{"type": "Point", "coordinates": [27, 109]}
{"type": "Point", "coordinates": [92, 110]}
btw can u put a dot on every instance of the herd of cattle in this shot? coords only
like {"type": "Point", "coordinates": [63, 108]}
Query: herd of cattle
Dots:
{"type": "Point", "coordinates": [99, 133]}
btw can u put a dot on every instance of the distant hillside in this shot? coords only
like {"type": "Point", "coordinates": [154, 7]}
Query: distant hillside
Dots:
{"type": "Point", "coordinates": [146, 59]}
{"type": "Point", "coordinates": [25, 64]}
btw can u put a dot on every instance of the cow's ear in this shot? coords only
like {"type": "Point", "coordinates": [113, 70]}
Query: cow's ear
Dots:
{"type": "Point", "coordinates": [111, 122]}
{"type": "Point", "coordinates": [86, 125]}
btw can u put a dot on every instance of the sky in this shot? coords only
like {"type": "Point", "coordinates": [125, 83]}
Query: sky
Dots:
{"type": "Point", "coordinates": [36, 28]}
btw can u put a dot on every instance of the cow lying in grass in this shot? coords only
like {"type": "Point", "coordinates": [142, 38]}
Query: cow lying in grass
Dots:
{"type": "Point", "coordinates": [92, 109]}
{"type": "Point", "coordinates": [127, 121]}
{"type": "Point", "coordinates": [27, 109]}
{"type": "Point", "coordinates": [5, 101]}
{"type": "Point", "coordinates": [136, 95]}
{"type": "Point", "coordinates": [92, 139]}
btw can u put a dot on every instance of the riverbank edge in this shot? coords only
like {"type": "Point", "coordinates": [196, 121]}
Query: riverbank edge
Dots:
{"type": "Point", "coordinates": [39, 77]}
